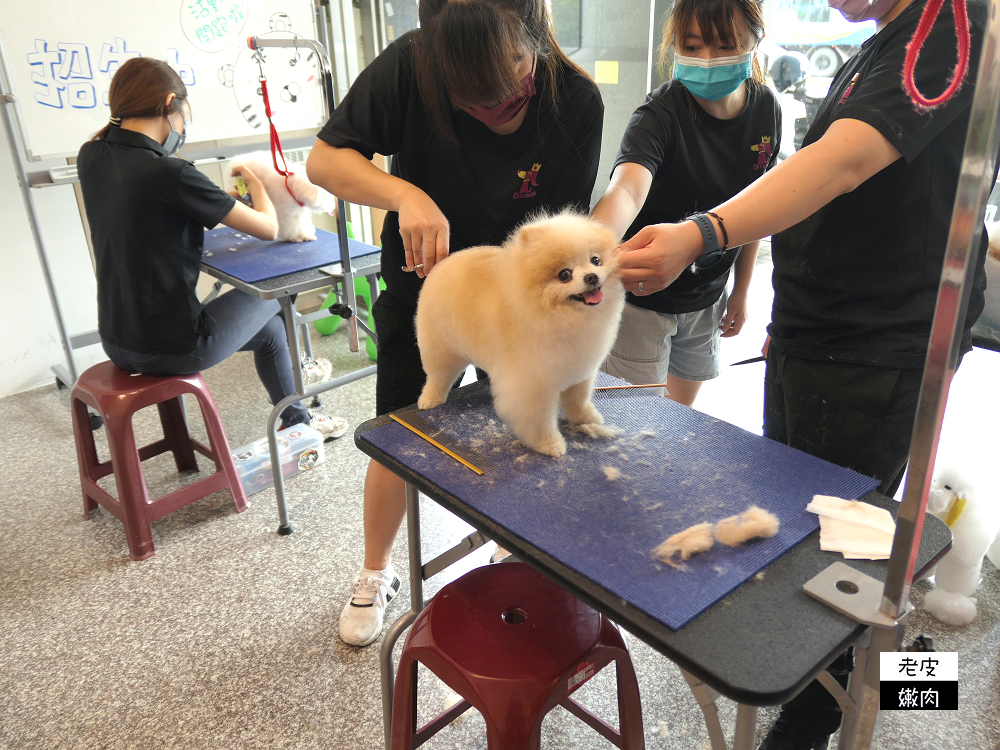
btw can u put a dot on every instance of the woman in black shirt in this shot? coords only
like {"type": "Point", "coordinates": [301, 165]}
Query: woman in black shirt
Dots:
{"type": "Point", "coordinates": [147, 217]}
{"type": "Point", "coordinates": [697, 140]}
{"type": "Point", "coordinates": [487, 121]}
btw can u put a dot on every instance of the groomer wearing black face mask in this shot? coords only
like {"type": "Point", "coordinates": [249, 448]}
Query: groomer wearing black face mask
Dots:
{"type": "Point", "coordinates": [147, 215]}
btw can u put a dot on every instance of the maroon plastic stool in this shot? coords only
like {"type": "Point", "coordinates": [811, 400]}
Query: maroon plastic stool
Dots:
{"type": "Point", "coordinates": [514, 645]}
{"type": "Point", "coordinates": [116, 395]}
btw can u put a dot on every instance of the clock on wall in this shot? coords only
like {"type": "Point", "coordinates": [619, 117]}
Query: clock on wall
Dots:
{"type": "Point", "coordinates": [293, 81]}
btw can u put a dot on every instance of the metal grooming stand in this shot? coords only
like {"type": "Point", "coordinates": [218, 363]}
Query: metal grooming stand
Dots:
{"type": "Point", "coordinates": [65, 376]}
{"type": "Point", "coordinates": [344, 279]}
{"type": "Point", "coordinates": [858, 596]}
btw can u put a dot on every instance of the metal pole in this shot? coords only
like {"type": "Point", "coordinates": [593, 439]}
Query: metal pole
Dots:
{"type": "Point", "coordinates": [6, 102]}
{"type": "Point", "coordinates": [974, 185]}
{"type": "Point", "coordinates": [326, 76]}
{"type": "Point", "coordinates": [416, 604]}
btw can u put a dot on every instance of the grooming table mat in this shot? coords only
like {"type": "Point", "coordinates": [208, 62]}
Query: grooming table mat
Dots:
{"type": "Point", "coordinates": [249, 259]}
{"type": "Point", "coordinates": [679, 467]}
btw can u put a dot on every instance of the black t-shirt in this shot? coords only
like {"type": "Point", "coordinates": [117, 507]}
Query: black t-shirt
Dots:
{"type": "Point", "coordinates": [486, 184]}
{"type": "Point", "coordinates": [697, 162]}
{"type": "Point", "coordinates": [147, 215]}
{"type": "Point", "coordinates": [857, 281]}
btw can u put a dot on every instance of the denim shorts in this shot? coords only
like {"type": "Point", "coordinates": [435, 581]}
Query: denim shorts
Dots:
{"type": "Point", "coordinates": [651, 345]}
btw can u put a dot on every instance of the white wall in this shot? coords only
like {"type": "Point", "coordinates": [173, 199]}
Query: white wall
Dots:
{"type": "Point", "coordinates": [29, 338]}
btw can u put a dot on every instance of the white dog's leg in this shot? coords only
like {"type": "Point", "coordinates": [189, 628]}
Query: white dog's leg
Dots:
{"type": "Point", "coordinates": [442, 368]}
{"type": "Point", "coordinates": [530, 411]}
{"type": "Point", "coordinates": [303, 227]}
{"type": "Point", "coordinates": [581, 413]}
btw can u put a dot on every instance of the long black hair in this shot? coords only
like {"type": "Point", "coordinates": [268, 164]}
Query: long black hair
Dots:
{"type": "Point", "coordinates": [466, 50]}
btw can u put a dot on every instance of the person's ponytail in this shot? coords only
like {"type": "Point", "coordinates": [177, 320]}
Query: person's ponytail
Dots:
{"type": "Point", "coordinates": [139, 89]}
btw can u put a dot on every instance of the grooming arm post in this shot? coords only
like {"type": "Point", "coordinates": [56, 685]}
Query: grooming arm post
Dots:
{"type": "Point", "coordinates": [326, 77]}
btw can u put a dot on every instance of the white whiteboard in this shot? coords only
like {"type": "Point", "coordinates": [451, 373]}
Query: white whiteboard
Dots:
{"type": "Point", "coordinates": [60, 56]}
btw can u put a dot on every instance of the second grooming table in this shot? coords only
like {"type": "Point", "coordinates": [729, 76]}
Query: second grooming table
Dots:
{"type": "Point", "coordinates": [282, 270]}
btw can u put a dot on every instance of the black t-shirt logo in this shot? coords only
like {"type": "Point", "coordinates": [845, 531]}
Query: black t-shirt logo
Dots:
{"type": "Point", "coordinates": [763, 150]}
{"type": "Point", "coordinates": [849, 89]}
{"type": "Point", "coordinates": [530, 178]}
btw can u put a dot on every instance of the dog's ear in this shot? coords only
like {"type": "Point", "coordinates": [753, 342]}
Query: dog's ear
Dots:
{"type": "Point", "coordinates": [531, 234]}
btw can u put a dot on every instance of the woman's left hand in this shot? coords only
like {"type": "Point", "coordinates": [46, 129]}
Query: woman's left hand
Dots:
{"type": "Point", "coordinates": [736, 315]}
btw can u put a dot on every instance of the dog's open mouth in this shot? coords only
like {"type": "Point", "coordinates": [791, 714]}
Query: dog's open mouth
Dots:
{"type": "Point", "coordinates": [590, 297]}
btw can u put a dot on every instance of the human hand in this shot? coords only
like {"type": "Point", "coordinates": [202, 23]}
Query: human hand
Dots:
{"type": "Point", "coordinates": [424, 230]}
{"type": "Point", "coordinates": [255, 188]}
{"type": "Point", "coordinates": [767, 344]}
{"type": "Point", "coordinates": [736, 315]}
{"type": "Point", "coordinates": [657, 255]}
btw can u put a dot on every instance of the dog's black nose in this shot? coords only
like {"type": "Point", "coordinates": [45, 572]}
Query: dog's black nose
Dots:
{"type": "Point", "coordinates": [591, 278]}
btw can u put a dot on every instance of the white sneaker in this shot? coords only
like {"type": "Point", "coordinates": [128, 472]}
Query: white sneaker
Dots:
{"type": "Point", "coordinates": [330, 427]}
{"type": "Point", "coordinates": [316, 370]}
{"type": "Point", "coordinates": [363, 617]}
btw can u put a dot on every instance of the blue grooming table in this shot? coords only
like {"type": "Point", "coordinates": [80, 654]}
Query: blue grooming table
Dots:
{"type": "Point", "coordinates": [679, 467]}
{"type": "Point", "coordinates": [737, 621]}
{"type": "Point", "coordinates": [251, 260]}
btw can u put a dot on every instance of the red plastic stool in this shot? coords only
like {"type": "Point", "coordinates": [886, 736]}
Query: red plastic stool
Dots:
{"type": "Point", "coordinates": [116, 395]}
{"type": "Point", "coordinates": [514, 645]}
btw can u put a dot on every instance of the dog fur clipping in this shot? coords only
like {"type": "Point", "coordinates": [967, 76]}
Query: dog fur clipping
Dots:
{"type": "Point", "coordinates": [294, 221]}
{"type": "Point", "coordinates": [538, 314]}
{"type": "Point", "coordinates": [753, 523]}
{"type": "Point", "coordinates": [689, 542]}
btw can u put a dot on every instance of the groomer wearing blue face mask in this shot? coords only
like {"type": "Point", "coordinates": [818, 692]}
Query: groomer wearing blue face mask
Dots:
{"type": "Point", "coordinates": [697, 140]}
{"type": "Point", "coordinates": [147, 215]}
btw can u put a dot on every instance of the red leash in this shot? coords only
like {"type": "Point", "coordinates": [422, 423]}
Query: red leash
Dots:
{"type": "Point", "coordinates": [275, 141]}
{"type": "Point", "coordinates": [927, 19]}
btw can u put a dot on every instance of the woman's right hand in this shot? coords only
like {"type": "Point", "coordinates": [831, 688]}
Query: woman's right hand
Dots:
{"type": "Point", "coordinates": [254, 186]}
{"type": "Point", "coordinates": [424, 230]}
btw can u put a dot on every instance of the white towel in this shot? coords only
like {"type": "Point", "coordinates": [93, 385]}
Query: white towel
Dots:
{"type": "Point", "coordinates": [857, 530]}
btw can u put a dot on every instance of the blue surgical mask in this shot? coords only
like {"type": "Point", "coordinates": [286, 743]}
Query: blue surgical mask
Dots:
{"type": "Point", "coordinates": [715, 78]}
{"type": "Point", "coordinates": [175, 140]}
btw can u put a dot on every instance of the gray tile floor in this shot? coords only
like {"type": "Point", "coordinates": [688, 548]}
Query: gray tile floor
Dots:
{"type": "Point", "coordinates": [227, 638]}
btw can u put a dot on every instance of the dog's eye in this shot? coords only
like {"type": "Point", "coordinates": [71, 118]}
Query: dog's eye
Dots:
{"type": "Point", "coordinates": [947, 487]}
{"type": "Point", "coordinates": [565, 275]}
{"type": "Point", "coordinates": [595, 261]}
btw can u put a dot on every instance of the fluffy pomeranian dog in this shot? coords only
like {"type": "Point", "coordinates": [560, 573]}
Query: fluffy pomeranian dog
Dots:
{"type": "Point", "coordinates": [539, 314]}
{"type": "Point", "coordinates": [294, 221]}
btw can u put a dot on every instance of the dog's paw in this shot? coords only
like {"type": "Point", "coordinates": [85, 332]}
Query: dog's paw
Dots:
{"type": "Point", "coordinates": [594, 430]}
{"type": "Point", "coordinates": [302, 237]}
{"type": "Point", "coordinates": [585, 413]}
{"type": "Point", "coordinates": [428, 401]}
{"type": "Point", "coordinates": [555, 446]}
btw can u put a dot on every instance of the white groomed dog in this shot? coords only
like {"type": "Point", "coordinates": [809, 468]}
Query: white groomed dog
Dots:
{"type": "Point", "coordinates": [294, 221]}
{"type": "Point", "coordinates": [538, 314]}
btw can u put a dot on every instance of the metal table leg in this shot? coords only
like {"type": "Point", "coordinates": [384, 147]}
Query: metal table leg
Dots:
{"type": "Point", "coordinates": [746, 727]}
{"type": "Point", "coordinates": [706, 699]}
{"type": "Point", "coordinates": [288, 310]}
{"type": "Point", "coordinates": [405, 620]}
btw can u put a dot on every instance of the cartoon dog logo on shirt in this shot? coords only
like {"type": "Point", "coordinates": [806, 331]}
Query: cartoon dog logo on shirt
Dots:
{"type": "Point", "coordinates": [763, 150]}
{"type": "Point", "coordinates": [530, 182]}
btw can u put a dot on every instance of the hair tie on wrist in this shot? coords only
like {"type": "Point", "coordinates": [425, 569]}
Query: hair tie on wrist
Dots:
{"type": "Point", "coordinates": [116, 121]}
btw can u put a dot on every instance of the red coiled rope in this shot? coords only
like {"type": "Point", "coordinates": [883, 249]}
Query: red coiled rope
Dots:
{"type": "Point", "coordinates": [927, 19]}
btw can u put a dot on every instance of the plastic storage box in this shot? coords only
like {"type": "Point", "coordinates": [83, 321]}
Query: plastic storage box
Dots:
{"type": "Point", "coordinates": [300, 446]}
